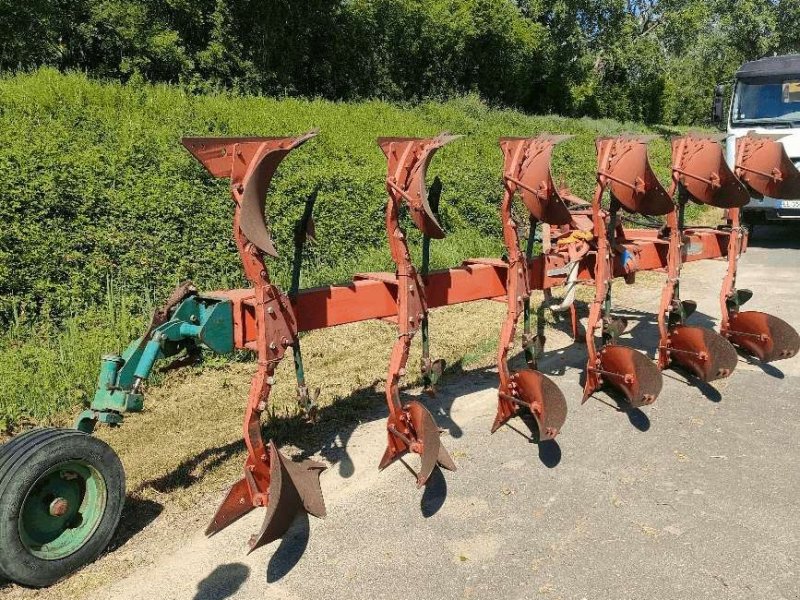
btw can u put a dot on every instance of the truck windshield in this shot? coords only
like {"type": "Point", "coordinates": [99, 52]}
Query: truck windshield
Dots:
{"type": "Point", "coordinates": [768, 103]}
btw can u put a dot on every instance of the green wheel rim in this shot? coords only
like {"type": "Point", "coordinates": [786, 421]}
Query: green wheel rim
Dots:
{"type": "Point", "coordinates": [62, 510]}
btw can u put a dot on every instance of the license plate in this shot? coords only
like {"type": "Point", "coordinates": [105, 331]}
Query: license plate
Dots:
{"type": "Point", "coordinates": [789, 204]}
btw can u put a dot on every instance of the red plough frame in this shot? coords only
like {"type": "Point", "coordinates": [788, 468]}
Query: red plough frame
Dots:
{"type": "Point", "coordinates": [268, 321]}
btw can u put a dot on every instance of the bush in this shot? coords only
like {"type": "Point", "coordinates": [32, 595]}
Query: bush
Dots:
{"type": "Point", "coordinates": [96, 188]}
{"type": "Point", "coordinates": [47, 370]}
{"type": "Point", "coordinates": [95, 185]}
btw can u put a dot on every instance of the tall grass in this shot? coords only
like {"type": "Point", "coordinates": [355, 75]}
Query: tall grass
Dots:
{"type": "Point", "coordinates": [48, 370]}
{"type": "Point", "coordinates": [94, 182]}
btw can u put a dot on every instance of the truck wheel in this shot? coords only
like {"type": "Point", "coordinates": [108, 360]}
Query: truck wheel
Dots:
{"type": "Point", "coordinates": [61, 497]}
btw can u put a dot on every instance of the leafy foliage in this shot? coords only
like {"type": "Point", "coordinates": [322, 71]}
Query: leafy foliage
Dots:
{"type": "Point", "coordinates": [102, 211]}
{"type": "Point", "coordinates": [96, 187]}
{"type": "Point", "coordinates": [650, 60]}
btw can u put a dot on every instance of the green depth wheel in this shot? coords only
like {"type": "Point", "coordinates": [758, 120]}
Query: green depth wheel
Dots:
{"type": "Point", "coordinates": [61, 497]}
{"type": "Point", "coordinates": [62, 510]}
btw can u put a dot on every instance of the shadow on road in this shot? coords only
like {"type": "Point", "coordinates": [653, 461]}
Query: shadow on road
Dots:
{"type": "Point", "coordinates": [136, 515]}
{"type": "Point", "coordinates": [549, 453]}
{"type": "Point", "coordinates": [638, 418]}
{"type": "Point", "coordinates": [222, 582]}
{"type": "Point", "coordinates": [332, 432]}
{"type": "Point", "coordinates": [768, 368]}
{"type": "Point", "coordinates": [290, 550]}
{"type": "Point", "coordinates": [434, 494]}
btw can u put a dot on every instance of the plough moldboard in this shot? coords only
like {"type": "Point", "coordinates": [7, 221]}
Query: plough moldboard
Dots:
{"type": "Point", "coordinates": [61, 491]}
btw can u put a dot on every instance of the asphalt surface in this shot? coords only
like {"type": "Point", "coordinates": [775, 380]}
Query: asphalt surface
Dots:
{"type": "Point", "coordinates": [694, 497]}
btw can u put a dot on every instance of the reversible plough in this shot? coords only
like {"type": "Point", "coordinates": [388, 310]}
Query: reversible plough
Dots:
{"type": "Point", "coordinates": [62, 491]}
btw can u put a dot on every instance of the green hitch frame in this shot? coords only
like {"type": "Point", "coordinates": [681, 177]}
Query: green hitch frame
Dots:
{"type": "Point", "coordinates": [198, 321]}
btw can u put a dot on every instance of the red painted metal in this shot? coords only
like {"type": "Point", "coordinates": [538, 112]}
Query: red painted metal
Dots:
{"type": "Point", "coordinates": [699, 174]}
{"type": "Point", "coordinates": [527, 170]}
{"type": "Point", "coordinates": [531, 176]}
{"type": "Point", "coordinates": [762, 164]}
{"type": "Point", "coordinates": [624, 171]}
{"type": "Point", "coordinates": [476, 279]}
{"type": "Point", "coordinates": [267, 322]}
{"type": "Point", "coordinates": [410, 427]}
{"type": "Point", "coordinates": [270, 480]}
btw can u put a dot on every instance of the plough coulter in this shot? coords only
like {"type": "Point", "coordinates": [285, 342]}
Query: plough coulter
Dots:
{"type": "Point", "coordinates": [62, 490]}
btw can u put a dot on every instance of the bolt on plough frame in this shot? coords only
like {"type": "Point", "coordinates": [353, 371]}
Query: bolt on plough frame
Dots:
{"type": "Point", "coordinates": [526, 171]}
{"type": "Point", "coordinates": [62, 491]}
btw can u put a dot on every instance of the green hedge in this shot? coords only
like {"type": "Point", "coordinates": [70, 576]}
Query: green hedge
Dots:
{"type": "Point", "coordinates": [96, 187]}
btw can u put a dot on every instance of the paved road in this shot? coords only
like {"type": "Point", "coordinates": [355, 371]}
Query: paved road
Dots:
{"type": "Point", "coordinates": [696, 497]}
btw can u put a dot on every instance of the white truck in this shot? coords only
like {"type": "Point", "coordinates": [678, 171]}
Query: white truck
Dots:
{"type": "Point", "coordinates": [766, 99]}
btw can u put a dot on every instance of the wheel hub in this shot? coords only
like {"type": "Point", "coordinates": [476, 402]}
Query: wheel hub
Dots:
{"type": "Point", "coordinates": [62, 510]}
{"type": "Point", "coordinates": [59, 507]}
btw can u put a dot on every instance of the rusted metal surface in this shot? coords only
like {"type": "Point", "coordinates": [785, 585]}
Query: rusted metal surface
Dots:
{"type": "Point", "coordinates": [408, 160]}
{"type": "Point", "coordinates": [413, 429]}
{"type": "Point", "coordinates": [763, 335]}
{"type": "Point", "coordinates": [698, 165]}
{"type": "Point", "coordinates": [251, 161]}
{"type": "Point", "coordinates": [538, 394]}
{"type": "Point", "coordinates": [367, 299]}
{"type": "Point", "coordinates": [580, 245]}
{"type": "Point", "coordinates": [699, 174]}
{"type": "Point", "coordinates": [293, 488]}
{"type": "Point", "coordinates": [410, 427]}
{"type": "Point", "coordinates": [267, 321]}
{"type": "Point", "coordinates": [630, 372]}
{"type": "Point", "coordinates": [623, 170]}
{"type": "Point", "coordinates": [764, 167]}
{"type": "Point", "coordinates": [269, 480]}
{"type": "Point", "coordinates": [701, 351]}
{"type": "Point", "coordinates": [526, 171]}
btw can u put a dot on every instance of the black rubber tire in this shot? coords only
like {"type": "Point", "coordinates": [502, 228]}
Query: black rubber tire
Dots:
{"type": "Point", "coordinates": [23, 461]}
{"type": "Point", "coordinates": [11, 451]}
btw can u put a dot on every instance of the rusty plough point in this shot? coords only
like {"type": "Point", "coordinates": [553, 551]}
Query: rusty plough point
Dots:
{"type": "Point", "coordinates": [624, 170]}
{"type": "Point", "coordinates": [762, 164]}
{"type": "Point", "coordinates": [411, 427]}
{"type": "Point", "coordinates": [270, 480]}
{"type": "Point", "coordinates": [526, 170]}
{"type": "Point", "coordinates": [699, 174]}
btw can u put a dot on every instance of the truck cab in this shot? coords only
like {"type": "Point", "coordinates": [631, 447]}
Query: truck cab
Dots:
{"type": "Point", "coordinates": [766, 99]}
